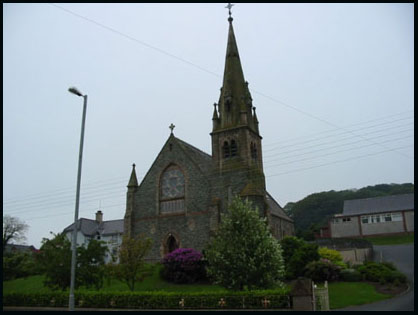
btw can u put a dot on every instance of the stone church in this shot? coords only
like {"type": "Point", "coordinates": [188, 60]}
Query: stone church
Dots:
{"type": "Point", "coordinates": [181, 198]}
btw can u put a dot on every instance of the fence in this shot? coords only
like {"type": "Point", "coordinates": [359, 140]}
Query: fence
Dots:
{"type": "Point", "coordinates": [320, 297]}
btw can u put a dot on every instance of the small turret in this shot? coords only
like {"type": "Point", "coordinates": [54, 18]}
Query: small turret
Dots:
{"type": "Point", "coordinates": [133, 182]}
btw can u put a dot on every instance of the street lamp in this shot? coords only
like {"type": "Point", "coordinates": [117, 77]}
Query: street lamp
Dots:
{"type": "Point", "coordinates": [77, 200]}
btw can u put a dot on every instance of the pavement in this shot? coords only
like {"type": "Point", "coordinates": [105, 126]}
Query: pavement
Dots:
{"type": "Point", "coordinates": [403, 258]}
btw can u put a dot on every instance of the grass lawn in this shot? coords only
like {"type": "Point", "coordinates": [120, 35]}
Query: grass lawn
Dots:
{"type": "Point", "coordinates": [343, 294]}
{"type": "Point", "coordinates": [151, 283]}
{"type": "Point", "coordinates": [391, 240]}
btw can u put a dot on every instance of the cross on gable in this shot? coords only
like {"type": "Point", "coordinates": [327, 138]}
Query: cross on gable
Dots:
{"type": "Point", "coordinates": [172, 127]}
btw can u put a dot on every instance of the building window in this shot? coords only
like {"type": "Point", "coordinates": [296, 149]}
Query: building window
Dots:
{"type": "Point", "coordinates": [172, 188]}
{"type": "Point", "coordinates": [365, 219]}
{"type": "Point", "coordinates": [226, 150]}
{"type": "Point", "coordinates": [387, 218]}
{"type": "Point", "coordinates": [253, 149]}
{"type": "Point", "coordinates": [375, 218]}
{"type": "Point", "coordinates": [234, 148]}
{"type": "Point", "coordinates": [397, 217]}
{"type": "Point", "coordinates": [346, 219]}
{"type": "Point", "coordinates": [114, 239]}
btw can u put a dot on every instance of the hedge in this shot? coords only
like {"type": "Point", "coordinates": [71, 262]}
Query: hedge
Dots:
{"type": "Point", "coordinates": [343, 243]}
{"type": "Point", "coordinates": [277, 299]}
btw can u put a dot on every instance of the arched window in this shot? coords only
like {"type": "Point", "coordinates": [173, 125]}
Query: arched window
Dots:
{"type": "Point", "coordinates": [234, 149]}
{"type": "Point", "coordinates": [172, 188]}
{"type": "Point", "coordinates": [226, 150]}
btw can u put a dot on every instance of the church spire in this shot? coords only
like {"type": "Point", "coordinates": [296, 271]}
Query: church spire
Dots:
{"type": "Point", "coordinates": [235, 101]}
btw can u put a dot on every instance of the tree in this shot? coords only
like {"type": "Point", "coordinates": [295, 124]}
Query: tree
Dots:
{"type": "Point", "coordinates": [13, 230]}
{"type": "Point", "coordinates": [131, 267]}
{"type": "Point", "coordinates": [90, 264]}
{"type": "Point", "coordinates": [243, 253]}
{"type": "Point", "coordinates": [319, 207]}
{"type": "Point", "coordinates": [19, 264]}
{"type": "Point", "coordinates": [55, 259]}
{"type": "Point", "coordinates": [297, 254]}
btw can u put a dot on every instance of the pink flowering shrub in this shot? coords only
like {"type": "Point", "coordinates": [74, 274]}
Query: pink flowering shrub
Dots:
{"type": "Point", "coordinates": [183, 265]}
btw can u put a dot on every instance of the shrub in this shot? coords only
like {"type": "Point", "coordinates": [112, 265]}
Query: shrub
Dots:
{"type": "Point", "coordinates": [183, 265]}
{"type": "Point", "coordinates": [297, 254]}
{"type": "Point", "coordinates": [322, 270]}
{"type": "Point", "coordinates": [380, 272]}
{"type": "Point", "coordinates": [350, 275]}
{"type": "Point", "coordinates": [278, 299]}
{"type": "Point", "coordinates": [19, 265]}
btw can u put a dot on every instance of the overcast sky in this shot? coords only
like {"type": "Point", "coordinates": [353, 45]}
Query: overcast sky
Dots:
{"type": "Point", "coordinates": [332, 83]}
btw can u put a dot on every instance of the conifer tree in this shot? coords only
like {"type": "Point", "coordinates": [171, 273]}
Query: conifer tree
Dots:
{"type": "Point", "coordinates": [244, 254]}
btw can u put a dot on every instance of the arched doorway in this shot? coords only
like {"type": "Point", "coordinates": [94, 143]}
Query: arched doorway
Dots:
{"type": "Point", "coordinates": [170, 243]}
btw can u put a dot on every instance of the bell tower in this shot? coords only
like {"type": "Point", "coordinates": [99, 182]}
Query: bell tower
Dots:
{"type": "Point", "coordinates": [236, 141]}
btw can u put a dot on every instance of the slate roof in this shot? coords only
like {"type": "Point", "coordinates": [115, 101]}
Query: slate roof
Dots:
{"type": "Point", "coordinates": [379, 204]}
{"type": "Point", "coordinates": [20, 248]}
{"type": "Point", "coordinates": [202, 159]}
{"type": "Point", "coordinates": [275, 208]}
{"type": "Point", "coordinates": [90, 227]}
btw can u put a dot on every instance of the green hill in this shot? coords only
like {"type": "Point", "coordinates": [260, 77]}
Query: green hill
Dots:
{"type": "Point", "coordinates": [313, 211]}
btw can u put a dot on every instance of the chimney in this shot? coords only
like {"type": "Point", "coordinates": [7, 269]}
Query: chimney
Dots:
{"type": "Point", "coordinates": [99, 216]}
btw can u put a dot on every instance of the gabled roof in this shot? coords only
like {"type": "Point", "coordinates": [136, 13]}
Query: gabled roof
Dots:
{"type": "Point", "coordinates": [379, 204]}
{"type": "Point", "coordinates": [20, 248]}
{"type": "Point", "coordinates": [275, 208]}
{"type": "Point", "coordinates": [202, 159]}
{"type": "Point", "coordinates": [91, 227]}
{"type": "Point", "coordinates": [112, 227]}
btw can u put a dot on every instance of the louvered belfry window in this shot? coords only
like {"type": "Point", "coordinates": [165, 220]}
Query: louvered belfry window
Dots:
{"type": "Point", "coordinates": [234, 149]}
{"type": "Point", "coordinates": [172, 190]}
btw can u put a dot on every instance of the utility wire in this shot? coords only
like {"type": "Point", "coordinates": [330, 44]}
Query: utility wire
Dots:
{"type": "Point", "coordinates": [287, 172]}
{"type": "Point", "coordinates": [108, 196]}
{"type": "Point", "coordinates": [217, 75]}
{"type": "Point", "coordinates": [311, 138]}
{"type": "Point", "coordinates": [336, 129]}
{"type": "Point", "coordinates": [98, 190]}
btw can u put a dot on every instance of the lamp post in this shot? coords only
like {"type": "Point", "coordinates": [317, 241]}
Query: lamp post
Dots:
{"type": "Point", "coordinates": [77, 201]}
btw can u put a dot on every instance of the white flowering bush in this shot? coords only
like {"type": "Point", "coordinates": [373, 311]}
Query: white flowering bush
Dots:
{"type": "Point", "coordinates": [243, 254]}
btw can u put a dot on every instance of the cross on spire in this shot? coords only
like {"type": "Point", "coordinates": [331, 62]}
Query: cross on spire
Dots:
{"type": "Point", "coordinates": [229, 6]}
{"type": "Point", "coordinates": [172, 127]}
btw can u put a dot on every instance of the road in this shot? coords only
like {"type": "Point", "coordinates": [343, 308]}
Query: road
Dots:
{"type": "Point", "coordinates": [403, 258]}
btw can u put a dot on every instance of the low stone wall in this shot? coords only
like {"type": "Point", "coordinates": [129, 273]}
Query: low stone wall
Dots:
{"type": "Point", "coordinates": [353, 250]}
{"type": "Point", "coordinates": [357, 255]}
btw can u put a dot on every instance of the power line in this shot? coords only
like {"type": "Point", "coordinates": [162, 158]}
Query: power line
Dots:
{"type": "Point", "coordinates": [217, 75]}
{"type": "Point", "coordinates": [32, 202]}
{"type": "Point", "coordinates": [336, 129]}
{"type": "Point", "coordinates": [328, 154]}
{"type": "Point", "coordinates": [308, 139]}
{"type": "Point", "coordinates": [335, 162]}
{"type": "Point", "coordinates": [284, 173]}
{"type": "Point", "coordinates": [283, 154]}
{"type": "Point", "coordinates": [90, 198]}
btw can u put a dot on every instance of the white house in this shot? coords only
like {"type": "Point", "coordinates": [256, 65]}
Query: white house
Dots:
{"type": "Point", "coordinates": [374, 216]}
{"type": "Point", "coordinates": [108, 231]}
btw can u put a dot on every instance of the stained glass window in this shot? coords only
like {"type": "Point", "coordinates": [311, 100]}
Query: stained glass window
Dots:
{"type": "Point", "coordinates": [172, 190]}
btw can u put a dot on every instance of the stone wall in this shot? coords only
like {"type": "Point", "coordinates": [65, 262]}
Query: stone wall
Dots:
{"type": "Point", "coordinates": [190, 228]}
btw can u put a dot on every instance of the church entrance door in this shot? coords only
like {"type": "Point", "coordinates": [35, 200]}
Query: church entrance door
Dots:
{"type": "Point", "coordinates": [172, 244]}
